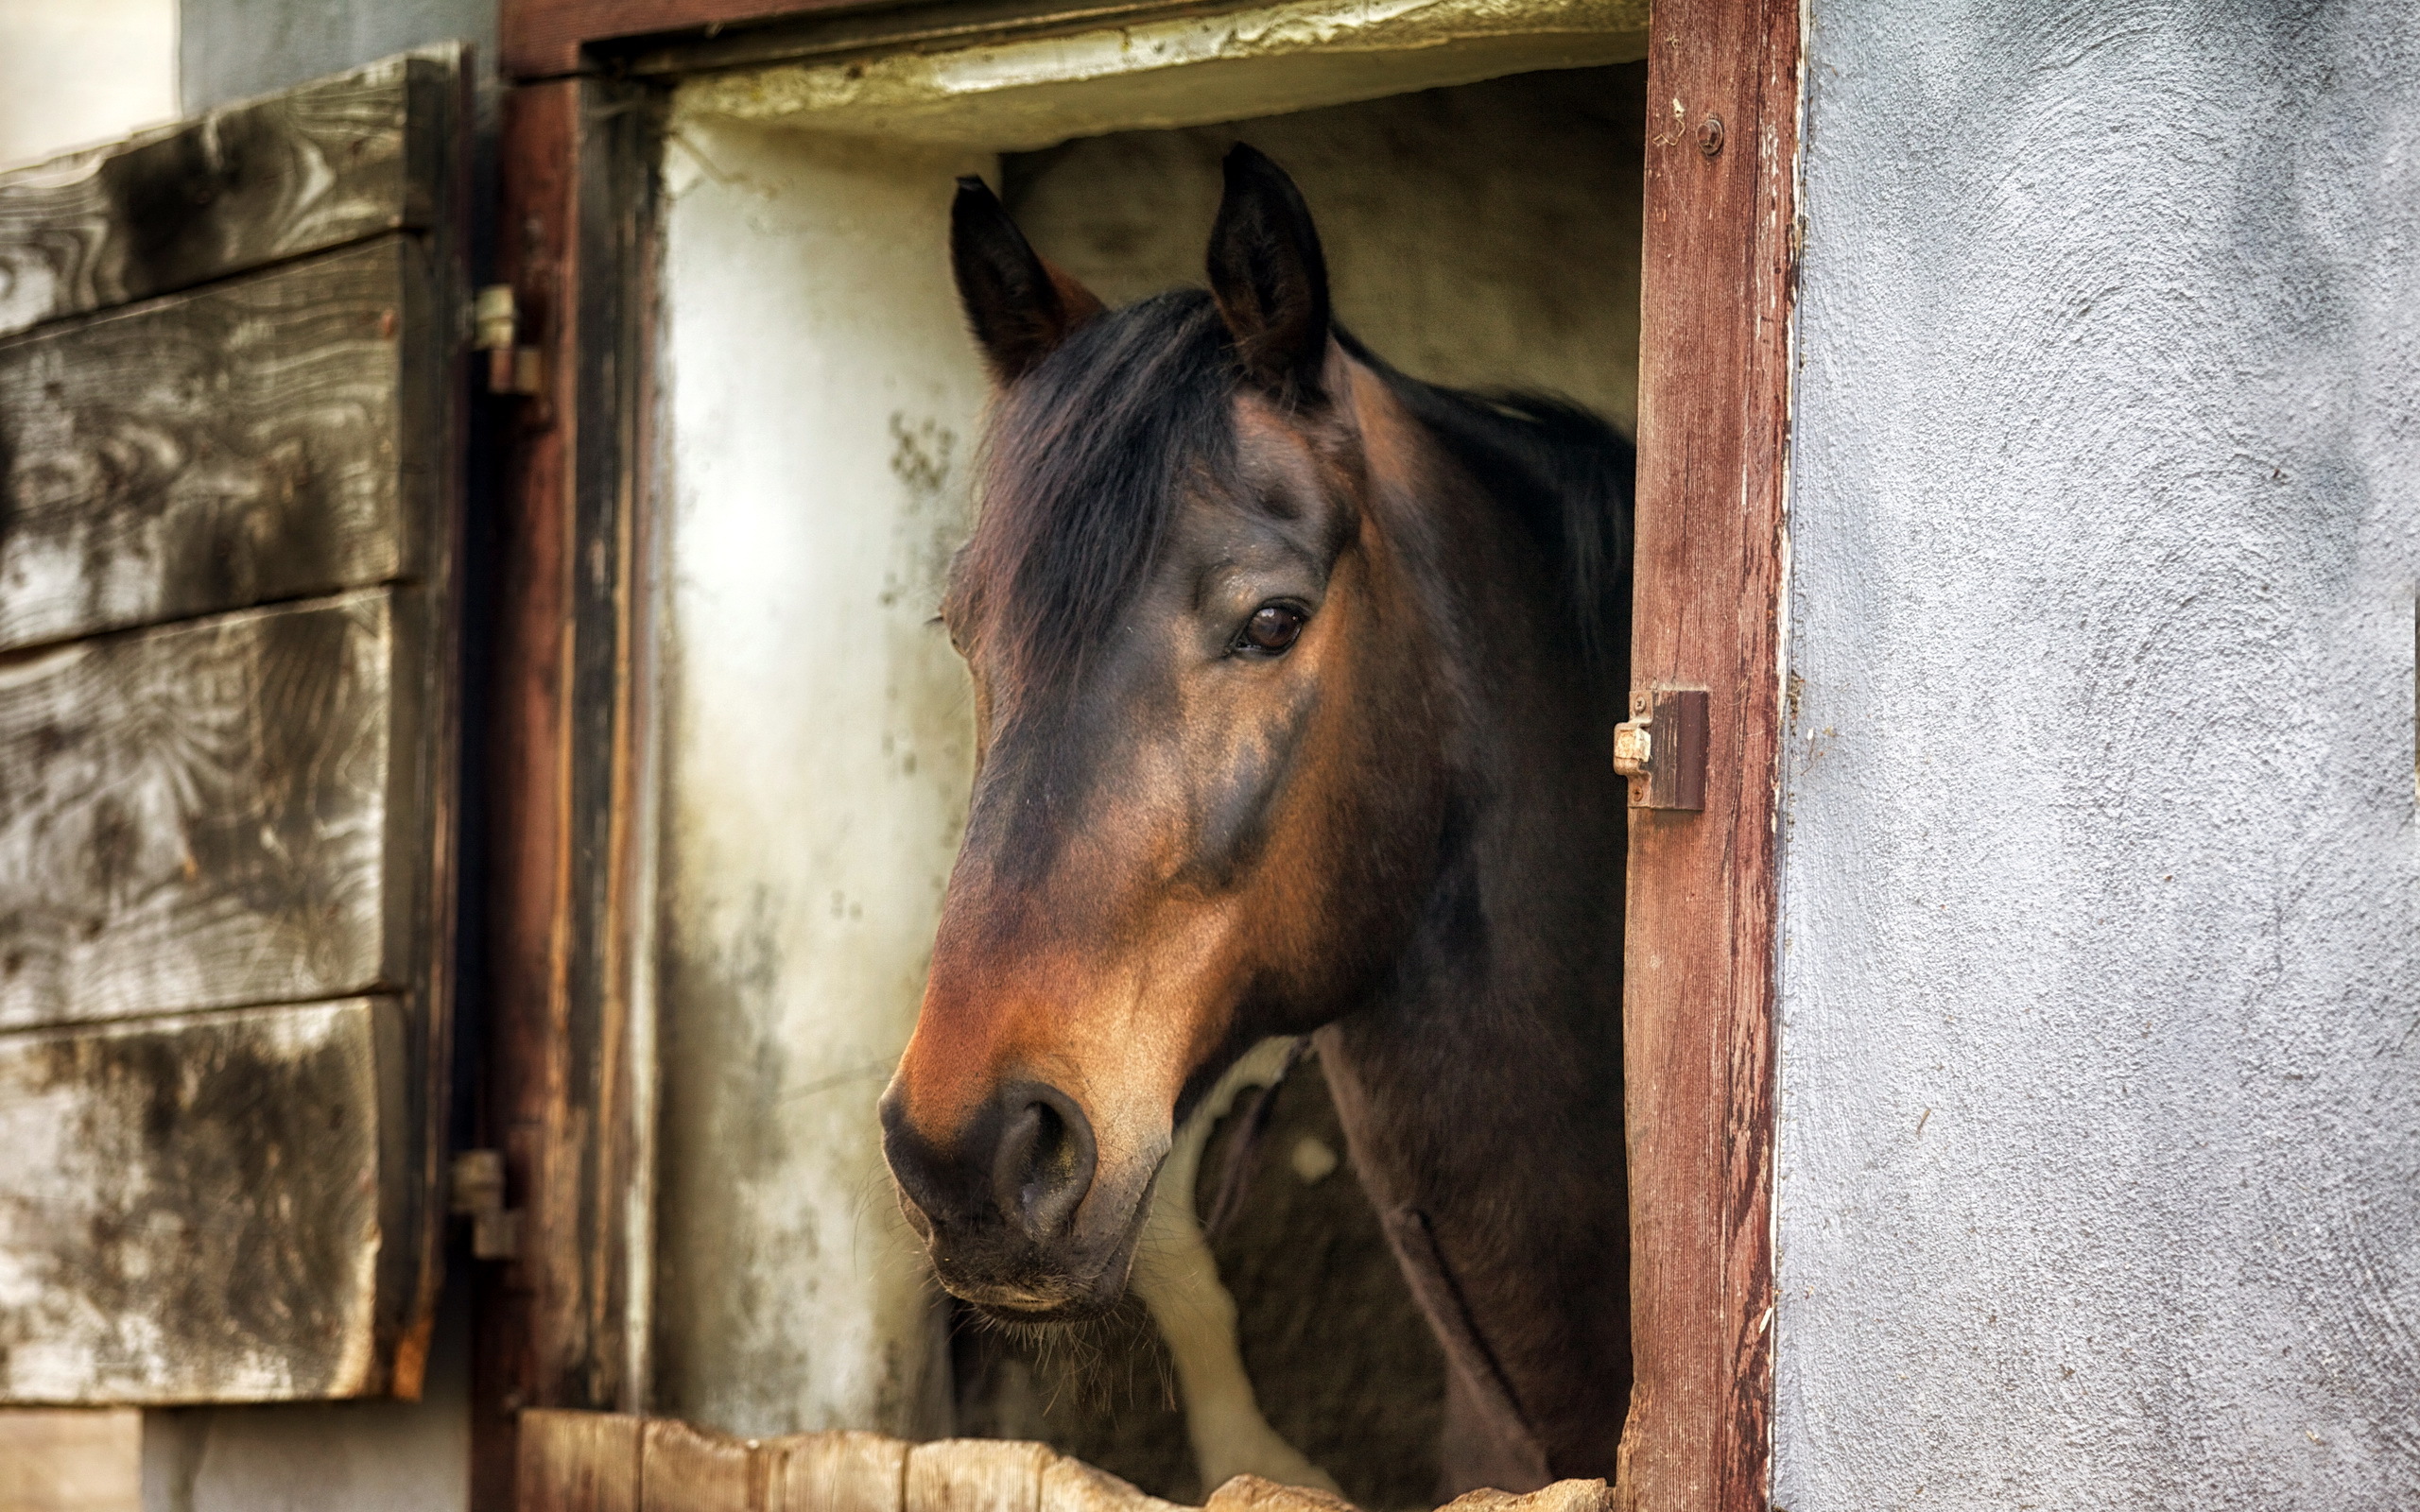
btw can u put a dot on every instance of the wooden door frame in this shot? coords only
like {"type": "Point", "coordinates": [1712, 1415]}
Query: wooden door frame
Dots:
{"type": "Point", "coordinates": [575, 239]}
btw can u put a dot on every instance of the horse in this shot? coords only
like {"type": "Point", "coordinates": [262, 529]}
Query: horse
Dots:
{"type": "Point", "coordinates": [1294, 682]}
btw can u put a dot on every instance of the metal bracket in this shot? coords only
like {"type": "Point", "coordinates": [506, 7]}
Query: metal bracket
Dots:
{"type": "Point", "coordinates": [512, 368]}
{"type": "Point", "coordinates": [1661, 748]}
{"type": "Point", "coordinates": [479, 1195]}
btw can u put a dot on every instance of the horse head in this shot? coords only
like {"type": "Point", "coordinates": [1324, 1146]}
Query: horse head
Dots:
{"type": "Point", "coordinates": [1203, 794]}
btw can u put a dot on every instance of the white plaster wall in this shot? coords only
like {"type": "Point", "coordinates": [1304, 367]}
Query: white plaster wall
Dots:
{"type": "Point", "coordinates": [2100, 1175]}
{"type": "Point", "coordinates": [823, 407]}
{"type": "Point", "coordinates": [75, 74]}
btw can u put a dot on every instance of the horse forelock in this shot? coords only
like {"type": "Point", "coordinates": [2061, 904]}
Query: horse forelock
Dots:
{"type": "Point", "coordinates": [1086, 459]}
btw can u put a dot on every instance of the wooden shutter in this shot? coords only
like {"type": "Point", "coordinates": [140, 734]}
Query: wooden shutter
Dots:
{"type": "Point", "coordinates": [230, 476]}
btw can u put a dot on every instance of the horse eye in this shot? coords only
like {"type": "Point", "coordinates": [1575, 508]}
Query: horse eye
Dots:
{"type": "Point", "coordinates": [1273, 628]}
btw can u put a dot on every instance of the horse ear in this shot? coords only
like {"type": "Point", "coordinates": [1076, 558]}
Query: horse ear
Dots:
{"type": "Point", "coordinates": [1020, 306]}
{"type": "Point", "coordinates": [1270, 277]}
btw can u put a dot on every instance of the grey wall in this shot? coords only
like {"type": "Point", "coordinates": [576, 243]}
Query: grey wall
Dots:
{"type": "Point", "coordinates": [356, 1456]}
{"type": "Point", "coordinates": [233, 49]}
{"type": "Point", "coordinates": [2099, 1176]}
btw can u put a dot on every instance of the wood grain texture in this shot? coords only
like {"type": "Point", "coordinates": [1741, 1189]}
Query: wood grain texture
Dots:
{"type": "Point", "coordinates": [812, 1472]}
{"type": "Point", "coordinates": [975, 1475]}
{"type": "Point", "coordinates": [251, 184]}
{"type": "Point", "coordinates": [523, 1347]}
{"type": "Point", "coordinates": [577, 1462]}
{"type": "Point", "coordinates": [1714, 388]}
{"type": "Point", "coordinates": [685, 1470]}
{"type": "Point", "coordinates": [613, 1462]}
{"type": "Point", "coordinates": [266, 437]}
{"type": "Point", "coordinates": [566, 1327]}
{"type": "Point", "coordinates": [211, 814]}
{"type": "Point", "coordinates": [195, 1209]}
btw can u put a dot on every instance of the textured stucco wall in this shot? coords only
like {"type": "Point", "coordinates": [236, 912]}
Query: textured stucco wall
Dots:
{"type": "Point", "coordinates": [2100, 1175]}
{"type": "Point", "coordinates": [233, 49]}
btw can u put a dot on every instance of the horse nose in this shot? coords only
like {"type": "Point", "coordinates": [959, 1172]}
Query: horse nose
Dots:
{"type": "Point", "coordinates": [1025, 1159]}
{"type": "Point", "coordinates": [1044, 1164]}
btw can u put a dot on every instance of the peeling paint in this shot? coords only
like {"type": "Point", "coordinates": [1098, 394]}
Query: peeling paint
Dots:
{"type": "Point", "coordinates": [1178, 71]}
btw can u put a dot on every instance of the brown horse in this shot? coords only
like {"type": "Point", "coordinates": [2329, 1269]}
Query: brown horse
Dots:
{"type": "Point", "coordinates": [1294, 680]}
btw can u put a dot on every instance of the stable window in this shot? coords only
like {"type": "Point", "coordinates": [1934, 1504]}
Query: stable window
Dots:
{"type": "Point", "coordinates": [738, 783]}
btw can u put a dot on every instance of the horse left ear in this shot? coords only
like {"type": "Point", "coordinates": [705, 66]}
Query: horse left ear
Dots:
{"type": "Point", "coordinates": [1270, 277]}
{"type": "Point", "coordinates": [1020, 306]}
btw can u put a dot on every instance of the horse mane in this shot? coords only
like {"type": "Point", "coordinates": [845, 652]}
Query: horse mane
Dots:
{"type": "Point", "coordinates": [1088, 452]}
{"type": "Point", "coordinates": [1084, 462]}
{"type": "Point", "coordinates": [1563, 471]}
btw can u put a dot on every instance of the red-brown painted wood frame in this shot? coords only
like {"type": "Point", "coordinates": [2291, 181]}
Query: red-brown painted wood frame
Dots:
{"type": "Point", "coordinates": [1713, 390]}
{"type": "Point", "coordinates": [1719, 277]}
{"type": "Point", "coordinates": [574, 241]}
{"type": "Point", "coordinates": [549, 38]}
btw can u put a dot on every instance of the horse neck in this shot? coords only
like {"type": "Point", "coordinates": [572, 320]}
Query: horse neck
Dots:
{"type": "Point", "coordinates": [1481, 1089]}
{"type": "Point", "coordinates": [1517, 948]}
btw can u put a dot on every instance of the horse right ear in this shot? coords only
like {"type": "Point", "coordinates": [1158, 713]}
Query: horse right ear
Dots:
{"type": "Point", "coordinates": [1270, 277]}
{"type": "Point", "coordinates": [1020, 306]}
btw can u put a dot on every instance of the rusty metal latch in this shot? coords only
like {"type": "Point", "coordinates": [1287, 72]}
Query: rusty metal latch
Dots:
{"type": "Point", "coordinates": [512, 368]}
{"type": "Point", "coordinates": [479, 1195]}
{"type": "Point", "coordinates": [1661, 748]}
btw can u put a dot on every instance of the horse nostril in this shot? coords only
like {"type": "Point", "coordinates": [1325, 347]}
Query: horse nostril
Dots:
{"type": "Point", "coordinates": [1043, 1167]}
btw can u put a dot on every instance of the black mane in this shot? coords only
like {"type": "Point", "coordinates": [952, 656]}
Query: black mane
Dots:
{"type": "Point", "coordinates": [1558, 466]}
{"type": "Point", "coordinates": [1086, 456]}
{"type": "Point", "coordinates": [1088, 452]}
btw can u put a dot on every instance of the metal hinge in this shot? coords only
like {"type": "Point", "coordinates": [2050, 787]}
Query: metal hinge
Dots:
{"type": "Point", "coordinates": [1661, 748]}
{"type": "Point", "coordinates": [479, 1195]}
{"type": "Point", "coordinates": [512, 368]}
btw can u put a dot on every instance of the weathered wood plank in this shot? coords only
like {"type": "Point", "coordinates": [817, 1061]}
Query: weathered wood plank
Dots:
{"type": "Point", "coordinates": [820, 1472]}
{"type": "Point", "coordinates": [578, 1461]}
{"type": "Point", "coordinates": [195, 1209]}
{"type": "Point", "coordinates": [1697, 982]}
{"type": "Point", "coordinates": [212, 815]}
{"type": "Point", "coordinates": [266, 437]}
{"type": "Point", "coordinates": [248, 184]}
{"type": "Point", "coordinates": [568, 1325]}
{"type": "Point", "coordinates": [686, 1469]}
{"type": "Point", "coordinates": [975, 1475]}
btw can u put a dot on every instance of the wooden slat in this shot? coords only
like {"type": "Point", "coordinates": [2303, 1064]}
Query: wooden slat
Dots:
{"type": "Point", "coordinates": [828, 1472]}
{"type": "Point", "coordinates": [975, 1475]}
{"type": "Point", "coordinates": [577, 1462]}
{"type": "Point", "coordinates": [1072, 1485]}
{"type": "Point", "coordinates": [683, 1469]}
{"type": "Point", "coordinates": [248, 184]}
{"type": "Point", "coordinates": [263, 438]}
{"type": "Point", "coordinates": [211, 814]}
{"type": "Point", "coordinates": [191, 1208]}
{"type": "Point", "coordinates": [1714, 386]}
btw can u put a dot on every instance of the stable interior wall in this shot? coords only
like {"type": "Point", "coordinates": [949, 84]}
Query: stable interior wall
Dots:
{"type": "Point", "coordinates": [2099, 1174]}
{"type": "Point", "coordinates": [822, 405]}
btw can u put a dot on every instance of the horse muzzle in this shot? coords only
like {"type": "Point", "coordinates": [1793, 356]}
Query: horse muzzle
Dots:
{"type": "Point", "coordinates": [1009, 1206]}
